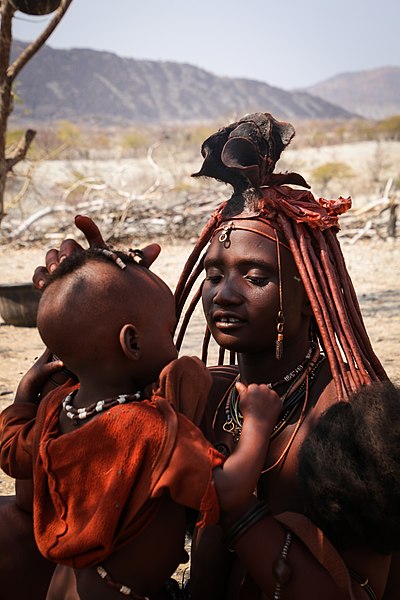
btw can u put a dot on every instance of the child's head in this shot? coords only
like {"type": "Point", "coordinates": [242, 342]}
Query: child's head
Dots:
{"type": "Point", "coordinates": [349, 468]}
{"type": "Point", "coordinates": [98, 317]}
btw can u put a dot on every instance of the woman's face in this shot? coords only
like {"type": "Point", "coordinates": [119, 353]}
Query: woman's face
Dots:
{"type": "Point", "coordinates": [241, 293]}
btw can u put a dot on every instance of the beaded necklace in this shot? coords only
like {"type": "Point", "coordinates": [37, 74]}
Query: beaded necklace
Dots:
{"type": "Point", "coordinates": [80, 414]}
{"type": "Point", "coordinates": [307, 369]}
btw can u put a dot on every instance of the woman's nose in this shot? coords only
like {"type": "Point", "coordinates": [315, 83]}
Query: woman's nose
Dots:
{"type": "Point", "coordinates": [227, 293]}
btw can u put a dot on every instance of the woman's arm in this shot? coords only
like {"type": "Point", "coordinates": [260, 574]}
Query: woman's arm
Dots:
{"type": "Point", "coordinates": [392, 591]}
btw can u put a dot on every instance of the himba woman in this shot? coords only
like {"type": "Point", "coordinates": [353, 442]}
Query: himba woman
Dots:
{"type": "Point", "coordinates": [277, 296]}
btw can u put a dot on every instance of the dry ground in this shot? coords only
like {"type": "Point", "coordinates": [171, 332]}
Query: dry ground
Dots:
{"type": "Point", "coordinates": [373, 265]}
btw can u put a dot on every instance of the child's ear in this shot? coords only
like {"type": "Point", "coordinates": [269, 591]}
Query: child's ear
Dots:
{"type": "Point", "coordinates": [129, 340]}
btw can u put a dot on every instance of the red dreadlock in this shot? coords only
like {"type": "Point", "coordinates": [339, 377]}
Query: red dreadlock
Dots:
{"type": "Point", "coordinates": [244, 154]}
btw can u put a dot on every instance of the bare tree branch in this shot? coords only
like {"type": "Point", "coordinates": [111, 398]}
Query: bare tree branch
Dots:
{"type": "Point", "coordinates": [21, 149]}
{"type": "Point", "coordinates": [34, 46]}
{"type": "Point", "coordinates": [8, 72]}
{"type": "Point", "coordinates": [7, 13]}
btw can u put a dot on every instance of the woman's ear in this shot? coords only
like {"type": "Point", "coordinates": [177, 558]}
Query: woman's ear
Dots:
{"type": "Point", "coordinates": [129, 341]}
{"type": "Point", "coordinates": [307, 308]}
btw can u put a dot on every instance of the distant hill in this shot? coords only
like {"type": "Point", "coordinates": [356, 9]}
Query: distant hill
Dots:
{"type": "Point", "coordinates": [373, 94]}
{"type": "Point", "coordinates": [103, 88]}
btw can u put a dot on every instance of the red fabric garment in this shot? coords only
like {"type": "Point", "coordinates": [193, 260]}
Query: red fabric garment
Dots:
{"type": "Point", "coordinates": [94, 488]}
{"type": "Point", "coordinates": [17, 423]}
{"type": "Point", "coordinates": [301, 206]}
{"type": "Point", "coordinates": [298, 205]}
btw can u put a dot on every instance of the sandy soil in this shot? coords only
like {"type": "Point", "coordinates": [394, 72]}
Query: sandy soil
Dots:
{"type": "Point", "coordinates": [373, 265]}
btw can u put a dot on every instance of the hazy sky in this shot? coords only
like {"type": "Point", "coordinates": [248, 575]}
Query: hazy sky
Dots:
{"type": "Point", "coordinates": [287, 44]}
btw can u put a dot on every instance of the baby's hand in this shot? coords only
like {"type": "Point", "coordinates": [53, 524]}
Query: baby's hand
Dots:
{"type": "Point", "coordinates": [33, 381]}
{"type": "Point", "coordinates": [259, 402]}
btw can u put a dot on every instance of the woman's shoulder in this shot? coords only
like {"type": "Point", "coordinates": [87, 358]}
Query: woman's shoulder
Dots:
{"type": "Point", "coordinates": [222, 377]}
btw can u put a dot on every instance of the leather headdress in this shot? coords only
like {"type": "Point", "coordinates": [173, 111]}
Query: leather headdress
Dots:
{"type": "Point", "coordinates": [244, 154]}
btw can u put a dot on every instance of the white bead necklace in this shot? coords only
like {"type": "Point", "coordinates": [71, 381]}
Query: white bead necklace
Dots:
{"type": "Point", "coordinates": [80, 414]}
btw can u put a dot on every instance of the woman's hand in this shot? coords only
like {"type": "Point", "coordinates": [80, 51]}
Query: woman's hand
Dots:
{"type": "Point", "coordinates": [31, 386]}
{"type": "Point", "coordinates": [95, 239]}
{"type": "Point", "coordinates": [54, 257]}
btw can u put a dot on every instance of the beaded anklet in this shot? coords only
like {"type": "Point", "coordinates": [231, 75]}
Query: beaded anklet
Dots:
{"type": "Point", "coordinates": [281, 570]}
{"type": "Point", "coordinates": [250, 518]}
{"type": "Point", "coordinates": [122, 589]}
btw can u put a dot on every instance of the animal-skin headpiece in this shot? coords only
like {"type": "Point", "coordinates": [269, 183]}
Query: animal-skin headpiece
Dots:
{"type": "Point", "coordinates": [244, 154]}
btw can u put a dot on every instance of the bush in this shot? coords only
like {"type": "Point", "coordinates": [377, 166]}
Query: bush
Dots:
{"type": "Point", "coordinates": [135, 140]}
{"type": "Point", "coordinates": [68, 133]}
{"type": "Point", "coordinates": [390, 127]}
{"type": "Point", "coordinates": [323, 174]}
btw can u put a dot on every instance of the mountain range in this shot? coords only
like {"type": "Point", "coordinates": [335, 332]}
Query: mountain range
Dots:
{"type": "Point", "coordinates": [104, 89]}
{"type": "Point", "coordinates": [373, 94]}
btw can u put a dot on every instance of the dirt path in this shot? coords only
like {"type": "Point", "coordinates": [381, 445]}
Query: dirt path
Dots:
{"type": "Point", "coordinates": [373, 265]}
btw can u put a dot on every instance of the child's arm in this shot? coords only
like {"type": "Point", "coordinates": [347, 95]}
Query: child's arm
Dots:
{"type": "Point", "coordinates": [17, 421]}
{"type": "Point", "coordinates": [31, 384]}
{"type": "Point", "coordinates": [236, 480]}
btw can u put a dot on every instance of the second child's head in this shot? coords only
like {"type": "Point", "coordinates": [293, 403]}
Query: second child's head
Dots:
{"type": "Point", "coordinates": [349, 468]}
{"type": "Point", "coordinates": [97, 316]}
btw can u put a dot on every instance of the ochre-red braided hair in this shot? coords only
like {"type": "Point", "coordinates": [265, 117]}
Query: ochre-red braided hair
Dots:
{"type": "Point", "coordinates": [243, 155]}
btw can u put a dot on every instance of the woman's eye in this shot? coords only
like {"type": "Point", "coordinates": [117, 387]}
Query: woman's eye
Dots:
{"type": "Point", "coordinates": [257, 280]}
{"type": "Point", "coordinates": [213, 277]}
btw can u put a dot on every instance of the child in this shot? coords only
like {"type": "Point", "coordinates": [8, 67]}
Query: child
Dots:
{"type": "Point", "coordinates": [114, 462]}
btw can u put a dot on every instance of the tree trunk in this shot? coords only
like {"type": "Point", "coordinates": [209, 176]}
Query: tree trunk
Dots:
{"type": "Point", "coordinates": [9, 72]}
{"type": "Point", "coordinates": [7, 12]}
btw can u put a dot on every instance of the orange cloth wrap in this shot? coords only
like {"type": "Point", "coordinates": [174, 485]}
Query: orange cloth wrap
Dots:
{"type": "Point", "coordinates": [91, 486]}
{"type": "Point", "coordinates": [17, 423]}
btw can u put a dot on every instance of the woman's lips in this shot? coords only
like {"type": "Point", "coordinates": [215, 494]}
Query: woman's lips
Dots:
{"type": "Point", "coordinates": [227, 322]}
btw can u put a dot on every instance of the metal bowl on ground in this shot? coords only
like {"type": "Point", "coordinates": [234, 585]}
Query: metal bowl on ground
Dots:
{"type": "Point", "coordinates": [19, 304]}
